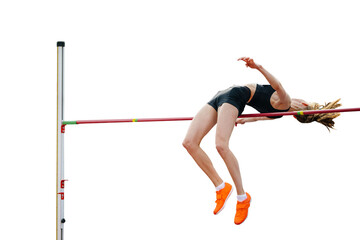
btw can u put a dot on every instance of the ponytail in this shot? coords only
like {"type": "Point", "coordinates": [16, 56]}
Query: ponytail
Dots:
{"type": "Point", "coordinates": [325, 119]}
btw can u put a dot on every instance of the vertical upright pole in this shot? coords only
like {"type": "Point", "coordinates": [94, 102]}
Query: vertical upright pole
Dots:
{"type": "Point", "coordinates": [60, 220]}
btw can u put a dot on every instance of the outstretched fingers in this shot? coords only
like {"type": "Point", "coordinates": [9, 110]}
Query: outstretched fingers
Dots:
{"type": "Point", "coordinates": [247, 60]}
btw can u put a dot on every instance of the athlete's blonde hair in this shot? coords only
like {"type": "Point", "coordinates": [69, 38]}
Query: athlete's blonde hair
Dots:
{"type": "Point", "coordinates": [324, 118]}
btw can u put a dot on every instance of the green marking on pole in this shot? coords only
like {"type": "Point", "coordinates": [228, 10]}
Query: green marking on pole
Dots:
{"type": "Point", "coordinates": [69, 122]}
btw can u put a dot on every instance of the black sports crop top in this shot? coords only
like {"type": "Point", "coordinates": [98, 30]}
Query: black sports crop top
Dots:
{"type": "Point", "coordinates": [261, 100]}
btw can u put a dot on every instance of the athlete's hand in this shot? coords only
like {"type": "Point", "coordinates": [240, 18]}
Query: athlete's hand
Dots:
{"type": "Point", "coordinates": [249, 62]}
{"type": "Point", "coordinates": [240, 120]}
{"type": "Point", "coordinates": [251, 119]}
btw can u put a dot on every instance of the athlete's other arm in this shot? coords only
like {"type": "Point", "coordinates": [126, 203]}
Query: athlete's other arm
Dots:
{"type": "Point", "coordinates": [252, 119]}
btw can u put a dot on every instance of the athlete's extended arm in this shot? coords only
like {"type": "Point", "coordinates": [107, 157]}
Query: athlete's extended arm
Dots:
{"type": "Point", "coordinates": [275, 84]}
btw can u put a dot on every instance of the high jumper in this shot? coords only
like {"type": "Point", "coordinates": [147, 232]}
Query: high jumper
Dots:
{"type": "Point", "coordinates": [224, 110]}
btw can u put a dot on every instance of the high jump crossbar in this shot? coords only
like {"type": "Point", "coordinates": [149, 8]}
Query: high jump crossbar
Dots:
{"type": "Point", "coordinates": [274, 114]}
{"type": "Point", "coordinates": [60, 131]}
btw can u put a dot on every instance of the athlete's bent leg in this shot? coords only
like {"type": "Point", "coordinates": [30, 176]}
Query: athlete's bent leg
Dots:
{"type": "Point", "coordinates": [227, 115]}
{"type": "Point", "coordinates": [202, 123]}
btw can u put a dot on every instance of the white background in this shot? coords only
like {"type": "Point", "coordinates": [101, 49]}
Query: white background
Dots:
{"type": "Point", "coordinates": [135, 59]}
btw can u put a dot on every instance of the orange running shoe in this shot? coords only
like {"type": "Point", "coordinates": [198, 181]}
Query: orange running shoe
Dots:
{"type": "Point", "coordinates": [242, 210]}
{"type": "Point", "coordinates": [221, 197]}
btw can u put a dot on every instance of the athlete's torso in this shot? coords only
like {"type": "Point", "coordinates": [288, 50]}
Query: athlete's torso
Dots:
{"type": "Point", "coordinates": [265, 99]}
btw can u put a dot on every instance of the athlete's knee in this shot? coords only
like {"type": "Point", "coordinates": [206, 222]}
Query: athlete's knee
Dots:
{"type": "Point", "coordinates": [189, 144]}
{"type": "Point", "coordinates": [222, 147]}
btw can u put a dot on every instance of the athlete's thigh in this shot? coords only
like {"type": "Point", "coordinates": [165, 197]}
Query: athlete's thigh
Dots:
{"type": "Point", "coordinates": [202, 123]}
{"type": "Point", "coordinates": [227, 115]}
